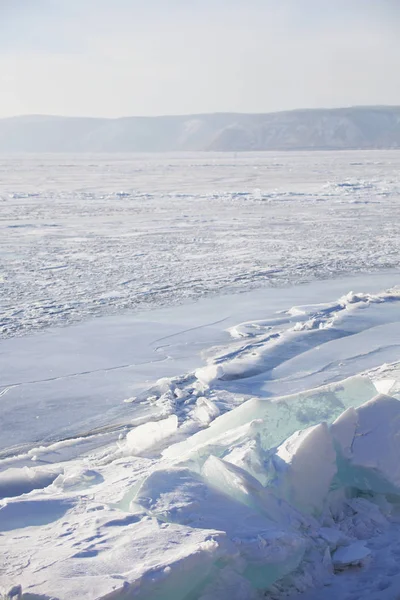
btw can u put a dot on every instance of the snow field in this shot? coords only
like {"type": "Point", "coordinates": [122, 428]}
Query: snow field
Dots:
{"type": "Point", "coordinates": [83, 237]}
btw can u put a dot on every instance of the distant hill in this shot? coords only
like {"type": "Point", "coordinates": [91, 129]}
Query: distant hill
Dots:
{"type": "Point", "coordinates": [314, 129]}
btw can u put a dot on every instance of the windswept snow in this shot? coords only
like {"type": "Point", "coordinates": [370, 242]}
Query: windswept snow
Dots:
{"type": "Point", "coordinates": [217, 487]}
{"type": "Point", "coordinates": [89, 236]}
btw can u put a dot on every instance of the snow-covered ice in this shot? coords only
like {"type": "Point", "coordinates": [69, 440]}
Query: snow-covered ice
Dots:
{"type": "Point", "coordinates": [83, 236]}
{"type": "Point", "coordinates": [148, 436]}
{"type": "Point", "coordinates": [238, 447]}
{"type": "Point", "coordinates": [224, 481]}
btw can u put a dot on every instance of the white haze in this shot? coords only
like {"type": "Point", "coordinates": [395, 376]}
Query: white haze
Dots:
{"type": "Point", "coordinates": [98, 58]}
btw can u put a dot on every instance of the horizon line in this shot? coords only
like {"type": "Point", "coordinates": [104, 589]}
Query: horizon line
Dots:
{"type": "Point", "coordinates": [202, 114]}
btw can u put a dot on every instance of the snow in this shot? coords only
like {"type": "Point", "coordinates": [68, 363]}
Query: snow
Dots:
{"type": "Point", "coordinates": [279, 494]}
{"type": "Point", "coordinates": [180, 496]}
{"type": "Point", "coordinates": [240, 447]}
{"type": "Point", "coordinates": [148, 436]}
{"type": "Point", "coordinates": [274, 419]}
{"type": "Point", "coordinates": [350, 555]}
{"type": "Point", "coordinates": [113, 565]}
{"type": "Point", "coordinates": [206, 410]}
{"type": "Point", "coordinates": [84, 236]}
{"type": "Point", "coordinates": [15, 482]}
{"type": "Point", "coordinates": [239, 485]}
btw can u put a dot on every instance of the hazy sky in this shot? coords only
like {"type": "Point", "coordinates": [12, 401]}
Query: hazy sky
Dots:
{"type": "Point", "coordinates": [146, 57]}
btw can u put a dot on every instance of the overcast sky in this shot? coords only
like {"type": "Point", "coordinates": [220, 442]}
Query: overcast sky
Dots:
{"type": "Point", "coordinates": [146, 57]}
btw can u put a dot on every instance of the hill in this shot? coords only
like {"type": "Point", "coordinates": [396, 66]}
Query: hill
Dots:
{"type": "Point", "coordinates": [314, 129]}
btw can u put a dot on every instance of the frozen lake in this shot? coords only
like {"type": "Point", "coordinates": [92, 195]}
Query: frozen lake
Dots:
{"type": "Point", "coordinates": [84, 236]}
{"type": "Point", "coordinates": [70, 381]}
{"type": "Point", "coordinates": [163, 435]}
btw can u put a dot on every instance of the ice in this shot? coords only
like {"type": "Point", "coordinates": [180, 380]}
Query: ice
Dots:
{"type": "Point", "coordinates": [369, 438]}
{"type": "Point", "coordinates": [163, 563]}
{"type": "Point", "coordinates": [384, 386]}
{"type": "Point", "coordinates": [217, 480]}
{"type": "Point", "coordinates": [350, 555]}
{"type": "Point", "coordinates": [241, 486]}
{"type": "Point", "coordinates": [229, 585]}
{"type": "Point", "coordinates": [251, 457]}
{"type": "Point", "coordinates": [198, 520]}
{"type": "Point", "coordinates": [276, 419]}
{"type": "Point", "coordinates": [233, 481]}
{"type": "Point", "coordinates": [149, 436]}
{"type": "Point", "coordinates": [75, 246]}
{"type": "Point", "coordinates": [18, 481]}
{"type": "Point", "coordinates": [210, 374]}
{"type": "Point", "coordinates": [334, 537]}
{"type": "Point", "coordinates": [265, 552]}
{"type": "Point", "coordinates": [77, 479]}
{"type": "Point", "coordinates": [20, 514]}
{"type": "Point", "coordinates": [279, 348]}
{"type": "Point", "coordinates": [206, 410]}
{"type": "Point", "coordinates": [343, 430]}
{"type": "Point", "coordinates": [305, 465]}
{"type": "Point", "coordinates": [96, 365]}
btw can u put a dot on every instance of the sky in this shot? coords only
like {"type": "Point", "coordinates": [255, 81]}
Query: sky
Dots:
{"type": "Point", "coordinates": [114, 58]}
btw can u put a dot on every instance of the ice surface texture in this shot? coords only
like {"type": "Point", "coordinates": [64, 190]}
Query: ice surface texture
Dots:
{"type": "Point", "coordinates": [220, 494]}
{"type": "Point", "coordinates": [185, 526]}
{"type": "Point", "coordinates": [161, 229]}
